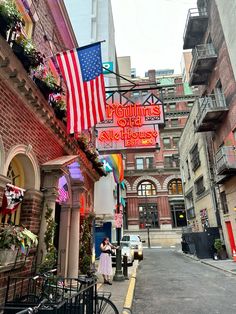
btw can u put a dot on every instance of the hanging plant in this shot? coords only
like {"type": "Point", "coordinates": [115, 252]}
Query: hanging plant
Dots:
{"type": "Point", "coordinates": [25, 51]}
{"type": "Point", "coordinates": [50, 258]}
{"type": "Point", "coordinates": [45, 81]}
{"type": "Point", "coordinates": [9, 16]}
{"type": "Point", "coordinates": [85, 253]}
{"type": "Point", "coordinates": [58, 105]}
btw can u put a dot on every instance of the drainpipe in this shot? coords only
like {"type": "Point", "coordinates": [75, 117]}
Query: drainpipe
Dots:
{"type": "Point", "coordinates": [212, 185]}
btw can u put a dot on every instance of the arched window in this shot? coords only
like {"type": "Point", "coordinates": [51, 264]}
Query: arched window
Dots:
{"type": "Point", "coordinates": [146, 188]}
{"type": "Point", "coordinates": [175, 187]}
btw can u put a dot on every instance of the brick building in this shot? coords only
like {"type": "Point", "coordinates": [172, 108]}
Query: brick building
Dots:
{"type": "Point", "coordinates": [152, 176]}
{"type": "Point", "coordinates": [208, 33]}
{"type": "Point", "coordinates": [154, 188]}
{"type": "Point", "coordinates": [35, 152]}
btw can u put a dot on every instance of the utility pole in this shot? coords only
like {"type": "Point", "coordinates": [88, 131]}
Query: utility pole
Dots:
{"type": "Point", "coordinates": [118, 274]}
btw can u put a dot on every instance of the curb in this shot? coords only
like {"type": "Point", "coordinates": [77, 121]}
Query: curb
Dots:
{"type": "Point", "coordinates": [127, 307]}
{"type": "Point", "coordinates": [208, 264]}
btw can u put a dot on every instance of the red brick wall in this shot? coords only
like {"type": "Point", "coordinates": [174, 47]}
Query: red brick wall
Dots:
{"type": "Point", "coordinates": [19, 125]}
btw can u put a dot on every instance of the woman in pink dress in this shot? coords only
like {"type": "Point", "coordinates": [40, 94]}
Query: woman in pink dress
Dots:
{"type": "Point", "coordinates": [105, 263]}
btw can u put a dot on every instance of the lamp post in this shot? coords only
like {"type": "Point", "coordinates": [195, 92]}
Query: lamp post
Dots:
{"type": "Point", "coordinates": [118, 274]}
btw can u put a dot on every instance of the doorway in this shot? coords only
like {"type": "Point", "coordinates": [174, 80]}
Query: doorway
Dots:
{"type": "Point", "coordinates": [230, 235]}
{"type": "Point", "coordinates": [178, 215]}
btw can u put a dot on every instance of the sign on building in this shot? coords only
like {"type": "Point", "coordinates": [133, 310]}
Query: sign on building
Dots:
{"type": "Point", "coordinates": [130, 125]}
{"type": "Point", "coordinates": [108, 66]}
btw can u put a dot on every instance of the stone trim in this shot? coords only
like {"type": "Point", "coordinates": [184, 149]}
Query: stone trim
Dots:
{"type": "Point", "coordinates": [168, 179]}
{"type": "Point", "coordinates": [146, 178]}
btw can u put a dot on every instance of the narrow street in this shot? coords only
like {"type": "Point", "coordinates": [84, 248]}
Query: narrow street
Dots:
{"type": "Point", "coordinates": [168, 282]}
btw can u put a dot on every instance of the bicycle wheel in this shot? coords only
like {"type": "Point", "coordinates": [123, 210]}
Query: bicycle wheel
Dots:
{"type": "Point", "coordinates": [105, 306]}
{"type": "Point", "coordinates": [29, 298]}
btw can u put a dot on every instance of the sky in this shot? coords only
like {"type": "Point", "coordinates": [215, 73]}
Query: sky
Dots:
{"type": "Point", "coordinates": [151, 32]}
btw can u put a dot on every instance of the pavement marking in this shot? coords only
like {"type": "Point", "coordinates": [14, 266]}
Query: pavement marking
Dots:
{"type": "Point", "coordinates": [127, 308]}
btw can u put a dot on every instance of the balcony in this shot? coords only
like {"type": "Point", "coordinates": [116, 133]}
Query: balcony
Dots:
{"type": "Point", "coordinates": [226, 160]}
{"type": "Point", "coordinates": [195, 27]}
{"type": "Point", "coordinates": [212, 111]}
{"type": "Point", "coordinates": [203, 61]}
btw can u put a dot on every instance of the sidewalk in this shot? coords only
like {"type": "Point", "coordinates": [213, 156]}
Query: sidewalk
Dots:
{"type": "Point", "coordinates": [121, 291]}
{"type": "Point", "coordinates": [227, 265]}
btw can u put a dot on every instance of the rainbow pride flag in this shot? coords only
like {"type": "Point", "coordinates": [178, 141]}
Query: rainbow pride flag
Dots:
{"type": "Point", "coordinates": [115, 161]}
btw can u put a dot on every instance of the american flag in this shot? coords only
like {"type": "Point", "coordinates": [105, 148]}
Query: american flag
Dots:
{"type": "Point", "coordinates": [81, 69]}
{"type": "Point", "coordinates": [63, 194]}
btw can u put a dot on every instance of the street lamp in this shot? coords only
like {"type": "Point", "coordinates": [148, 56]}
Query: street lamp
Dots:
{"type": "Point", "coordinates": [118, 274]}
{"type": "Point", "coordinates": [148, 226]}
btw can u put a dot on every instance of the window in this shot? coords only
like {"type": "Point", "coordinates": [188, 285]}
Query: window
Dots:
{"type": "Point", "coordinates": [189, 104]}
{"type": "Point", "coordinates": [175, 141]}
{"type": "Point", "coordinates": [172, 107]}
{"type": "Point", "coordinates": [224, 202]}
{"type": "Point", "coordinates": [166, 142]}
{"type": "Point", "coordinates": [149, 162]}
{"type": "Point", "coordinates": [188, 170]}
{"type": "Point", "coordinates": [148, 215]}
{"type": "Point", "coordinates": [135, 94]}
{"type": "Point", "coordinates": [28, 23]}
{"type": "Point", "coordinates": [144, 163]}
{"type": "Point", "coordinates": [139, 163]}
{"type": "Point", "coordinates": [234, 133]}
{"type": "Point", "coordinates": [146, 188]}
{"type": "Point", "coordinates": [15, 174]}
{"type": "Point", "coordinates": [174, 122]}
{"type": "Point", "coordinates": [190, 206]}
{"type": "Point", "coordinates": [195, 160]}
{"type": "Point", "coordinates": [168, 161]}
{"type": "Point", "coordinates": [175, 187]}
{"type": "Point", "coordinates": [199, 186]}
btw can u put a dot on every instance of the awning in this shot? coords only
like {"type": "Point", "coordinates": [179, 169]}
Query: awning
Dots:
{"type": "Point", "coordinates": [59, 162]}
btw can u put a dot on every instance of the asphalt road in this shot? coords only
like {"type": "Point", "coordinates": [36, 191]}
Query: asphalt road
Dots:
{"type": "Point", "coordinates": [170, 283]}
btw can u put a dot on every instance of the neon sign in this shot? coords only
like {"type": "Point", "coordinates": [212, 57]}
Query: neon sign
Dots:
{"type": "Point", "coordinates": [130, 125]}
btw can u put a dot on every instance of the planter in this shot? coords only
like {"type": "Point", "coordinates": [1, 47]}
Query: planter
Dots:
{"type": "Point", "coordinates": [43, 87]}
{"type": "Point", "coordinates": [27, 60]}
{"type": "Point", "coordinates": [4, 27]}
{"type": "Point", "coordinates": [7, 256]}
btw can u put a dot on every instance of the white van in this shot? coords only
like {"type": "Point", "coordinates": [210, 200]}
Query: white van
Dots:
{"type": "Point", "coordinates": [135, 243]}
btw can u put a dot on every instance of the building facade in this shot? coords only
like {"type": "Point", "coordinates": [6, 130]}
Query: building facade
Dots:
{"type": "Point", "coordinates": [154, 187]}
{"type": "Point", "coordinates": [207, 33]}
{"type": "Point", "coordinates": [36, 154]}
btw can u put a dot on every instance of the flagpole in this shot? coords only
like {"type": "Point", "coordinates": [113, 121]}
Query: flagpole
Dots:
{"type": "Point", "coordinates": [66, 49]}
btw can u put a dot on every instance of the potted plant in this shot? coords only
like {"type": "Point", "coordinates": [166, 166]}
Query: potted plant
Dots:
{"type": "Point", "coordinates": [58, 105]}
{"type": "Point", "coordinates": [9, 16]}
{"type": "Point", "coordinates": [45, 81]}
{"type": "Point", "coordinates": [25, 51]}
{"type": "Point", "coordinates": [220, 249]}
{"type": "Point", "coordinates": [14, 239]}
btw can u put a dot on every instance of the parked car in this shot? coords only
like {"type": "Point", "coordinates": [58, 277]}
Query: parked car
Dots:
{"type": "Point", "coordinates": [136, 244]}
{"type": "Point", "coordinates": [125, 249]}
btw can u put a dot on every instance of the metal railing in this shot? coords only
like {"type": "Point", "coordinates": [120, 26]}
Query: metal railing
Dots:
{"type": "Point", "coordinates": [200, 52]}
{"type": "Point", "coordinates": [210, 102]}
{"type": "Point", "coordinates": [194, 12]}
{"type": "Point", "coordinates": [225, 159]}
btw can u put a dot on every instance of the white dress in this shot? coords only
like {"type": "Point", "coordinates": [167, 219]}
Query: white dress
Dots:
{"type": "Point", "coordinates": [105, 264]}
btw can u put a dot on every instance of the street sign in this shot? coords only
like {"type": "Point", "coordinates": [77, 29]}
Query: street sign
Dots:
{"type": "Point", "coordinates": [108, 66]}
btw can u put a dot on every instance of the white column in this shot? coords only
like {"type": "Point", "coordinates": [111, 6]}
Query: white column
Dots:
{"type": "Point", "coordinates": [73, 262]}
{"type": "Point", "coordinates": [64, 238]}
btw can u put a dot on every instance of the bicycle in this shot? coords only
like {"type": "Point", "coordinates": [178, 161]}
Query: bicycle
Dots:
{"type": "Point", "coordinates": [102, 299]}
{"type": "Point", "coordinates": [35, 309]}
{"type": "Point", "coordinates": [79, 293]}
